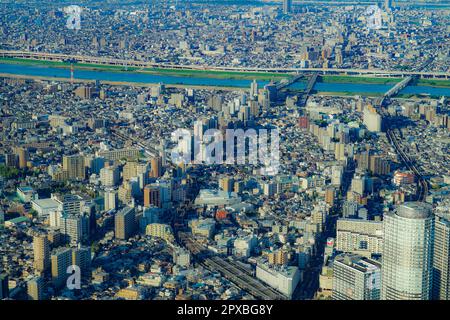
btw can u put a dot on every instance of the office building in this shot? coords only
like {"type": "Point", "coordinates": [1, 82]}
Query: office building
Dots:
{"type": "Point", "coordinates": [74, 166]}
{"type": "Point", "coordinates": [159, 230]}
{"type": "Point", "coordinates": [226, 184]}
{"type": "Point", "coordinates": [282, 278]}
{"type": "Point", "coordinates": [372, 120]}
{"type": "Point", "coordinates": [119, 154]}
{"type": "Point", "coordinates": [156, 167]}
{"type": "Point", "coordinates": [111, 199]}
{"type": "Point", "coordinates": [35, 288]}
{"type": "Point", "coordinates": [152, 196]}
{"type": "Point", "coordinates": [75, 227]}
{"type": "Point", "coordinates": [181, 257]}
{"type": "Point", "coordinates": [253, 89]}
{"type": "Point", "coordinates": [61, 259]}
{"type": "Point", "coordinates": [22, 154]}
{"type": "Point", "coordinates": [358, 236]}
{"type": "Point", "coordinates": [441, 258]}
{"type": "Point", "coordinates": [287, 6]}
{"type": "Point", "coordinates": [388, 5]}
{"type": "Point", "coordinates": [110, 176]}
{"type": "Point", "coordinates": [356, 278]}
{"type": "Point", "coordinates": [407, 252]}
{"type": "Point", "coordinates": [336, 175]}
{"type": "Point", "coordinates": [124, 223]}
{"type": "Point", "coordinates": [11, 160]}
{"type": "Point", "coordinates": [4, 287]}
{"type": "Point", "coordinates": [81, 257]}
{"type": "Point", "coordinates": [41, 250]}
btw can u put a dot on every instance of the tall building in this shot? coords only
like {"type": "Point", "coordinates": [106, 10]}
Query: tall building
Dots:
{"type": "Point", "coordinates": [226, 184]}
{"type": "Point", "coordinates": [120, 154]}
{"type": "Point", "coordinates": [372, 119]}
{"type": "Point", "coordinates": [441, 258]}
{"type": "Point", "coordinates": [110, 176]}
{"type": "Point", "coordinates": [253, 90]}
{"type": "Point", "coordinates": [407, 252]}
{"type": "Point", "coordinates": [111, 199]}
{"type": "Point", "coordinates": [124, 223]}
{"type": "Point", "coordinates": [156, 167]}
{"type": "Point", "coordinates": [330, 194]}
{"type": "Point", "coordinates": [336, 175]}
{"type": "Point", "coordinates": [11, 160]}
{"type": "Point", "coordinates": [388, 5]}
{"type": "Point", "coordinates": [74, 166]}
{"type": "Point", "coordinates": [75, 227]}
{"type": "Point", "coordinates": [61, 259]}
{"type": "Point", "coordinates": [287, 6]}
{"type": "Point", "coordinates": [356, 278]}
{"type": "Point", "coordinates": [4, 288]}
{"type": "Point", "coordinates": [358, 236]}
{"type": "Point", "coordinates": [81, 257]}
{"type": "Point", "coordinates": [152, 196]}
{"type": "Point", "coordinates": [129, 170]}
{"type": "Point", "coordinates": [84, 92]}
{"type": "Point", "coordinates": [22, 154]}
{"type": "Point", "coordinates": [41, 249]}
{"type": "Point", "coordinates": [35, 288]}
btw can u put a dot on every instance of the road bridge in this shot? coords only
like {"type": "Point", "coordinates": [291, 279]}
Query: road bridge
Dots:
{"type": "Point", "coordinates": [284, 84]}
{"type": "Point", "coordinates": [309, 87]}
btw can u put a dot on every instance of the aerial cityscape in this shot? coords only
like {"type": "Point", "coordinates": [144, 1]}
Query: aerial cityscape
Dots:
{"type": "Point", "coordinates": [225, 150]}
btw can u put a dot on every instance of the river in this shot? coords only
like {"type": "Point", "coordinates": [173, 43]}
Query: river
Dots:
{"type": "Point", "coordinates": [134, 77]}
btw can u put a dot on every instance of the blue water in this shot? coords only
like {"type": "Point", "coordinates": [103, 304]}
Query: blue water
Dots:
{"type": "Point", "coordinates": [44, 71]}
{"type": "Point", "coordinates": [120, 76]}
{"type": "Point", "coordinates": [373, 88]}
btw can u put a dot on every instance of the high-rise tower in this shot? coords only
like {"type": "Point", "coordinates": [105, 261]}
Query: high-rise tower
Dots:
{"type": "Point", "coordinates": [441, 257]}
{"type": "Point", "coordinates": [41, 249]}
{"type": "Point", "coordinates": [287, 6]}
{"type": "Point", "coordinates": [407, 252]}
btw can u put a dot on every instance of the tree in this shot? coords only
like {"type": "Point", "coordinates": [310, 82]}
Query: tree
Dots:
{"type": "Point", "coordinates": [8, 172]}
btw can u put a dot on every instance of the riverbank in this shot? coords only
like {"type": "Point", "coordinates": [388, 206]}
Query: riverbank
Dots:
{"type": "Point", "coordinates": [341, 85]}
{"type": "Point", "coordinates": [120, 83]}
{"type": "Point", "coordinates": [226, 75]}
{"type": "Point", "coordinates": [381, 80]}
{"type": "Point", "coordinates": [155, 71]}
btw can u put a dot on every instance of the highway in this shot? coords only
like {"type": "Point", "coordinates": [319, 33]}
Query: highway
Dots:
{"type": "Point", "coordinates": [145, 64]}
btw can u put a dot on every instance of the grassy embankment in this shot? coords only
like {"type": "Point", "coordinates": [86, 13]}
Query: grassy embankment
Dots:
{"type": "Point", "coordinates": [227, 74]}
{"type": "Point", "coordinates": [156, 71]}
{"type": "Point", "coordinates": [384, 81]}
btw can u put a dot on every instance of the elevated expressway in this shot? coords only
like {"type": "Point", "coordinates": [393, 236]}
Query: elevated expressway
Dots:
{"type": "Point", "coordinates": [144, 64]}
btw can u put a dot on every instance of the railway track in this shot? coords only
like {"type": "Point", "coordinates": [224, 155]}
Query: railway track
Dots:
{"type": "Point", "coordinates": [422, 185]}
{"type": "Point", "coordinates": [230, 270]}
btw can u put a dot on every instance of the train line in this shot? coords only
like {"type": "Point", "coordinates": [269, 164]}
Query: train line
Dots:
{"type": "Point", "coordinates": [231, 270]}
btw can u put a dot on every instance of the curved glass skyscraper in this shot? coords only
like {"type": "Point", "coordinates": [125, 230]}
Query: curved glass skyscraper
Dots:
{"type": "Point", "coordinates": [407, 253]}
